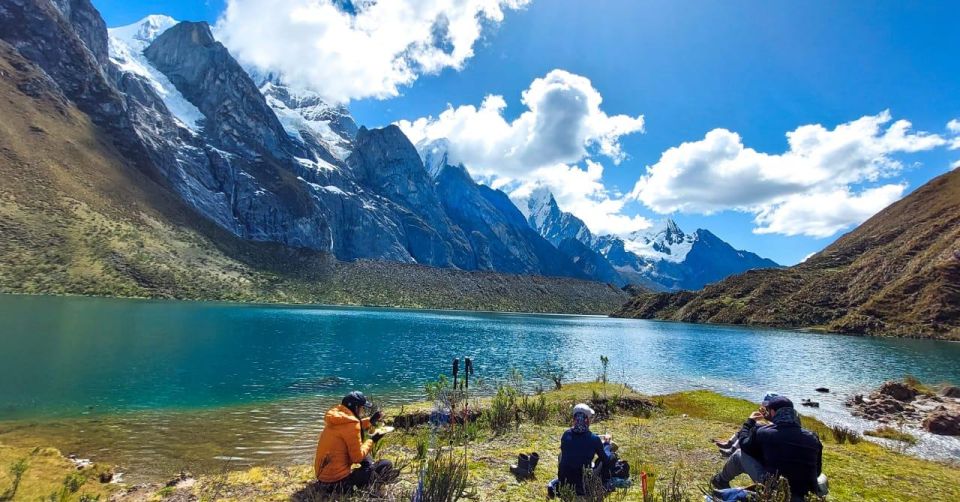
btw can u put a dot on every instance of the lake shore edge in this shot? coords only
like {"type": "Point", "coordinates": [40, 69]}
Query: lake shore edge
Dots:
{"type": "Point", "coordinates": [673, 436]}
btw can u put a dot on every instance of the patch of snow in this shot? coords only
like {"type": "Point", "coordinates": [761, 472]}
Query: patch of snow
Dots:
{"type": "Point", "coordinates": [226, 155]}
{"type": "Point", "coordinates": [126, 46]}
{"type": "Point", "coordinates": [327, 188]}
{"type": "Point", "coordinates": [301, 110]}
{"type": "Point", "coordinates": [315, 165]}
{"type": "Point", "coordinates": [295, 121]}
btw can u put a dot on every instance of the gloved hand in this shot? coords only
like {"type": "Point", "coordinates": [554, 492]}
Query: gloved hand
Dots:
{"type": "Point", "coordinates": [375, 418]}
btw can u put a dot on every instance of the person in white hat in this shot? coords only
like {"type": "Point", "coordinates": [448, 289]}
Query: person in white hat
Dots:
{"type": "Point", "coordinates": [578, 449]}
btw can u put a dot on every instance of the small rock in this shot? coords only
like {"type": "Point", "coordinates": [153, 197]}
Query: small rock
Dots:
{"type": "Point", "coordinates": [106, 476]}
{"type": "Point", "coordinates": [943, 423]}
{"type": "Point", "coordinates": [809, 403]}
{"type": "Point", "coordinates": [80, 463]}
{"type": "Point", "coordinates": [184, 479]}
{"type": "Point", "coordinates": [822, 390]}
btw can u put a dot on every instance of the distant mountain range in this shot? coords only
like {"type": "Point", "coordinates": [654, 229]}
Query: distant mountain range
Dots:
{"type": "Point", "coordinates": [263, 162]}
{"type": "Point", "coordinates": [660, 258]}
{"type": "Point", "coordinates": [897, 274]}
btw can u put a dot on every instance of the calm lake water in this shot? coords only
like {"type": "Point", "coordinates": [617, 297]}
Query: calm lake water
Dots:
{"type": "Point", "coordinates": [159, 385]}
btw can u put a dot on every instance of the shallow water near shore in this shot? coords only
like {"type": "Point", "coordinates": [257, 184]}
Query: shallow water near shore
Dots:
{"type": "Point", "coordinates": [157, 386]}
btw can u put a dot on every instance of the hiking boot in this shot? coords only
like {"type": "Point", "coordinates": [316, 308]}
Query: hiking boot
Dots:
{"type": "Point", "coordinates": [522, 467]}
{"type": "Point", "coordinates": [718, 483]}
{"type": "Point", "coordinates": [534, 459]}
{"type": "Point", "coordinates": [525, 465]}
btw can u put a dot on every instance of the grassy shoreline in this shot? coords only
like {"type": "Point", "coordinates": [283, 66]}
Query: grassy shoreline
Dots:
{"type": "Point", "coordinates": [674, 438]}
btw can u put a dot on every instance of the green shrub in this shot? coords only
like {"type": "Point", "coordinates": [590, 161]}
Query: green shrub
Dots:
{"type": "Point", "coordinates": [535, 409]}
{"type": "Point", "coordinates": [671, 490]}
{"type": "Point", "coordinates": [842, 434]}
{"type": "Point", "coordinates": [915, 383]}
{"type": "Point", "coordinates": [16, 470]}
{"type": "Point", "coordinates": [887, 432]}
{"type": "Point", "coordinates": [445, 478]}
{"type": "Point", "coordinates": [70, 485]}
{"type": "Point", "coordinates": [555, 373]}
{"type": "Point", "coordinates": [502, 412]}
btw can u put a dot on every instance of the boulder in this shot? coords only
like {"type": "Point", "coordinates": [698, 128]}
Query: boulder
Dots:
{"type": "Point", "coordinates": [943, 423]}
{"type": "Point", "coordinates": [950, 391]}
{"type": "Point", "coordinates": [898, 390]}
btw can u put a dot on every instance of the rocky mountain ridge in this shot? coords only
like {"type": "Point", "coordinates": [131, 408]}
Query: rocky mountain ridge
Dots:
{"type": "Point", "coordinates": [897, 274]}
{"type": "Point", "coordinates": [662, 258]}
{"type": "Point", "coordinates": [268, 162]}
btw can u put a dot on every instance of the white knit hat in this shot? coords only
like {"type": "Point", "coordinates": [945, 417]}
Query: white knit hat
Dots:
{"type": "Point", "coordinates": [583, 408]}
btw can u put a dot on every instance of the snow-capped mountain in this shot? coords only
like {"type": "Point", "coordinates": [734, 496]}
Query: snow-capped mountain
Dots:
{"type": "Point", "coordinates": [664, 241]}
{"type": "Point", "coordinates": [545, 216]}
{"type": "Point", "coordinates": [264, 160]}
{"type": "Point", "coordinates": [267, 161]}
{"type": "Point", "coordinates": [662, 257]}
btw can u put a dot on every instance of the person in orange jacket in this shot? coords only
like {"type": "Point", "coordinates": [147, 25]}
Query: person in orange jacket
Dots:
{"type": "Point", "coordinates": [341, 446]}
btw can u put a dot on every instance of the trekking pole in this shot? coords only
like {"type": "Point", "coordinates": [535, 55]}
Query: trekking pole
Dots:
{"type": "Point", "coordinates": [467, 371]}
{"type": "Point", "coordinates": [456, 371]}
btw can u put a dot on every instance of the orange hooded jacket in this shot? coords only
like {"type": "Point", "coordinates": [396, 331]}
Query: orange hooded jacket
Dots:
{"type": "Point", "coordinates": [340, 445]}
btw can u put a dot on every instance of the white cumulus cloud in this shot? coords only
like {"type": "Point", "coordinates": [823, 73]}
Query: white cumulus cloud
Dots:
{"type": "Point", "coordinates": [822, 214]}
{"type": "Point", "coordinates": [556, 142]}
{"type": "Point", "coordinates": [954, 128]}
{"type": "Point", "coordinates": [583, 193]}
{"type": "Point", "coordinates": [807, 190]}
{"type": "Point", "coordinates": [349, 50]}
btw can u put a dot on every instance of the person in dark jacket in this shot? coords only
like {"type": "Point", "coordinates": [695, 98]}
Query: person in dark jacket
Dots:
{"type": "Point", "coordinates": [782, 447]}
{"type": "Point", "coordinates": [578, 449]}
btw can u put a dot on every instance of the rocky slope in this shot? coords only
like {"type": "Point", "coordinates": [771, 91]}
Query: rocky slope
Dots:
{"type": "Point", "coordinates": [498, 233]}
{"type": "Point", "coordinates": [105, 191]}
{"type": "Point", "coordinates": [662, 258]}
{"type": "Point", "coordinates": [897, 274]}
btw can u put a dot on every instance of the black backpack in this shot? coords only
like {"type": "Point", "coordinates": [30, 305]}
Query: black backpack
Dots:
{"type": "Point", "coordinates": [621, 469]}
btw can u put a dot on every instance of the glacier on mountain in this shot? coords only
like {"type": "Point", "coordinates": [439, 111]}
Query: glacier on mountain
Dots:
{"type": "Point", "coordinates": [126, 45]}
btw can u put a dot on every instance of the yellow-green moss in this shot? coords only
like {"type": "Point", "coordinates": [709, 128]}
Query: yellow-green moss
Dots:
{"type": "Point", "coordinates": [46, 475]}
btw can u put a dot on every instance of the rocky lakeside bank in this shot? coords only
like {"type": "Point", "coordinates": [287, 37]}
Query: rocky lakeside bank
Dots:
{"type": "Point", "coordinates": [911, 404]}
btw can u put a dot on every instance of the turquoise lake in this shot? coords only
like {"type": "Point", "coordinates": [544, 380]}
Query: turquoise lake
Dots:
{"type": "Point", "coordinates": [156, 385]}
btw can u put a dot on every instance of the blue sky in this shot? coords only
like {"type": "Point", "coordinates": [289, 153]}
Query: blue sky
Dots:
{"type": "Point", "coordinates": [759, 69]}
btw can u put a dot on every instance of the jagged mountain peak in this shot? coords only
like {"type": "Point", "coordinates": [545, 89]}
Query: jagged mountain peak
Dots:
{"type": "Point", "coordinates": [663, 241]}
{"type": "Point", "coordinates": [435, 155]}
{"type": "Point", "coordinates": [144, 31]}
{"type": "Point", "coordinates": [541, 198]}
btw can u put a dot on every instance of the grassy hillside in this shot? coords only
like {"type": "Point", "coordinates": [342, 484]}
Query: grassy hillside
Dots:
{"type": "Point", "coordinates": [76, 218]}
{"type": "Point", "coordinates": [898, 274]}
{"type": "Point", "coordinates": [672, 438]}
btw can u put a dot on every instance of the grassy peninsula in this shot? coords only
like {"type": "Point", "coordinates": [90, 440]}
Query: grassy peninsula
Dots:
{"type": "Point", "coordinates": [669, 438]}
